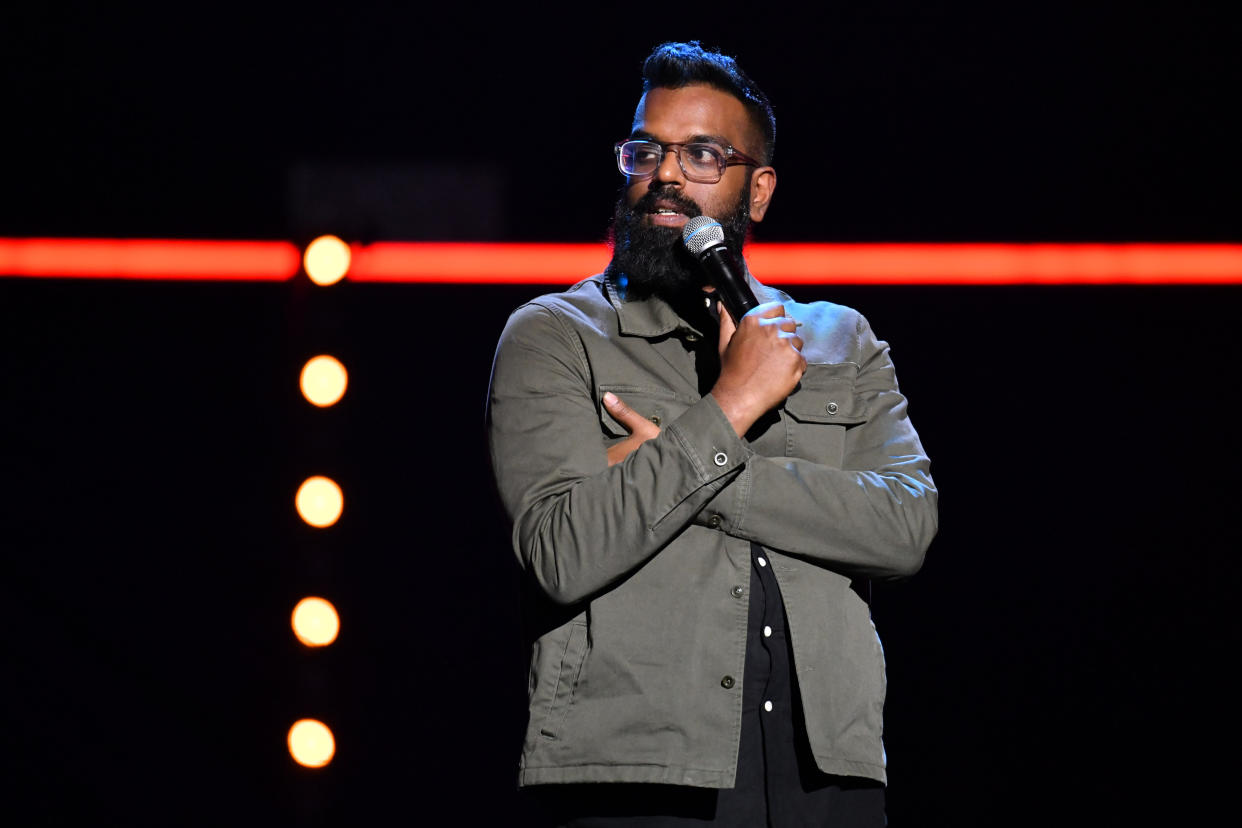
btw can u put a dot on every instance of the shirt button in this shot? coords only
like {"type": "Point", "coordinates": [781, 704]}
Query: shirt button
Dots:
{"type": "Point", "coordinates": [767, 632]}
{"type": "Point", "coordinates": [736, 592]}
{"type": "Point", "coordinates": [721, 458]}
{"type": "Point", "coordinates": [832, 408]}
{"type": "Point", "coordinates": [727, 682]}
{"type": "Point", "coordinates": [767, 705]}
{"type": "Point", "coordinates": [714, 521]}
{"type": "Point", "coordinates": [762, 562]}
{"type": "Point", "coordinates": [655, 418]}
{"type": "Point", "coordinates": [692, 337]}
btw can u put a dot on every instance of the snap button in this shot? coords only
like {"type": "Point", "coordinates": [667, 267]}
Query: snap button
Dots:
{"type": "Point", "coordinates": [655, 418]}
{"type": "Point", "coordinates": [736, 592]}
{"type": "Point", "coordinates": [832, 408]}
{"type": "Point", "coordinates": [692, 337]}
{"type": "Point", "coordinates": [714, 521]}
{"type": "Point", "coordinates": [727, 682]}
{"type": "Point", "coordinates": [721, 458]}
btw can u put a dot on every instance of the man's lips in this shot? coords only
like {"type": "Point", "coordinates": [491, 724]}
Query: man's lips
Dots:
{"type": "Point", "coordinates": [667, 219]}
{"type": "Point", "coordinates": [666, 213]}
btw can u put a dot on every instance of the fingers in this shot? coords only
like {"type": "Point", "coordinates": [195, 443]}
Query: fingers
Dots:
{"type": "Point", "coordinates": [768, 310]}
{"type": "Point", "coordinates": [622, 412]}
{"type": "Point", "coordinates": [637, 424]}
{"type": "Point", "coordinates": [761, 365]}
{"type": "Point", "coordinates": [727, 325]}
{"type": "Point", "coordinates": [773, 313]}
{"type": "Point", "coordinates": [641, 429]}
{"type": "Point", "coordinates": [785, 324]}
{"type": "Point", "coordinates": [786, 330]}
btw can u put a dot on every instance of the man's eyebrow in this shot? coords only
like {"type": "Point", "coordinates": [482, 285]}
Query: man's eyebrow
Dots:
{"type": "Point", "coordinates": [718, 140]}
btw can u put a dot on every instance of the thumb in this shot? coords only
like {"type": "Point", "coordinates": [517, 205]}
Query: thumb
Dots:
{"type": "Point", "coordinates": [727, 328]}
{"type": "Point", "coordinates": [625, 415]}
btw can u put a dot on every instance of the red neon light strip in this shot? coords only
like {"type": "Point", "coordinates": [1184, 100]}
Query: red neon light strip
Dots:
{"type": "Point", "coordinates": [150, 259]}
{"type": "Point", "coordinates": [998, 264]}
{"type": "Point", "coordinates": [787, 264]}
{"type": "Point", "coordinates": [563, 264]}
{"type": "Point", "coordinates": [477, 263]}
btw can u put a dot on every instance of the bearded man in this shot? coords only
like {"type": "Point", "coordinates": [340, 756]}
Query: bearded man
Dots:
{"type": "Point", "coordinates": [700, 505]}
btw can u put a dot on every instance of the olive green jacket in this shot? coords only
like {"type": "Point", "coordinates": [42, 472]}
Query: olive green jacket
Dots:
{"type": "Point", "coordinates": [651, 557]}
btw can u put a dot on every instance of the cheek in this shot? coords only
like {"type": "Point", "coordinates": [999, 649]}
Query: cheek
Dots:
{"type": "Point", "coordinates": [711, 203]}
{"type": "Point", "coordinates": [635, 191]}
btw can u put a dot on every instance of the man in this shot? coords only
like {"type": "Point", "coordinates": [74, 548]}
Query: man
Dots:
{"type": "Point", "coordinates": [700, 505]}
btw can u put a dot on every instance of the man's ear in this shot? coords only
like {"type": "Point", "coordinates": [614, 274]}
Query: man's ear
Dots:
{"type": "Point", "coordinates": [762, 185]}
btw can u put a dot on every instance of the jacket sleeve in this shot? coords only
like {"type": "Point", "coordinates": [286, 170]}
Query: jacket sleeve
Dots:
{"type": "Point", "coordinates": [874, 516]}
{"type": "Point", "coordinates": [580, 526]}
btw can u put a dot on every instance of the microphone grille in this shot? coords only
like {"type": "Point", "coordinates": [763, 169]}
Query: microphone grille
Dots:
{"type": "Point", "coordinates": [700, 233]}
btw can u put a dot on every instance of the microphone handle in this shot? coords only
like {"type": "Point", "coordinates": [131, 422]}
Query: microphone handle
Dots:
{"type": "Point", "coordinates": [727, 275]}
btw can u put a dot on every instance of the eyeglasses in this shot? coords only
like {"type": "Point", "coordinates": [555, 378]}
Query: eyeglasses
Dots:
{"type": "Point", "coordinates": [701, 163]}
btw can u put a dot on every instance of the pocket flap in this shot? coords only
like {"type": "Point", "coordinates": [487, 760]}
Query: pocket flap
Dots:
{"type": "Point", "coordinates": [826, 395]}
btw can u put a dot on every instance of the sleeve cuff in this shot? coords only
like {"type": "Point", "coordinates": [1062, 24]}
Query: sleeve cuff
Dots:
{"type": "Point", "coordinates": [708, 439]}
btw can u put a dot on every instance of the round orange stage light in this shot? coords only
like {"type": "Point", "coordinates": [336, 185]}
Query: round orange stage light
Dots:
{"type": "Point", "coordinates": [323, 380]}
{"type": "Point", "coordinates": [315, 622]}
{"type": "Point", "coordinates": [326, 260]}
{"type": "Point", "coordinates": [311, 744]}
{"type": "Point", "coordinates": [319, 501]}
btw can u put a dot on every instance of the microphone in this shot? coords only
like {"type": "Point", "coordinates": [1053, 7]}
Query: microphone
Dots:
{"type": "Point", "coordinates": [704, 238]}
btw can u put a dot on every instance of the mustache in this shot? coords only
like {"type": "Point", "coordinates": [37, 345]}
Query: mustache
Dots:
{"type": "Point", "coordinates": [681, 203]}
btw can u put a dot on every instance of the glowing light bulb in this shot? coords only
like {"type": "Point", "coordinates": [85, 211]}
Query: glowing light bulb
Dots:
{"type": "Point", "coordinates": [315, 622]}
{"type": "Point", "coordinates": [311, 743]}
{"type": "Point", "coordinates": [319, 501]}
{"type": "Point", "coordinates": [323, 380]}
{"type": "Point", "coordinates": [326, 260]}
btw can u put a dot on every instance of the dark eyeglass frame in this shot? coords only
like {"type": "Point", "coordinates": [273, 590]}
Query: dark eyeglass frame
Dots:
{"type": "Point", "coordinates": [732, 158]}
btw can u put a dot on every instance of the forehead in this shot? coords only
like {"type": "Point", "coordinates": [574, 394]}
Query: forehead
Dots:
{"type": "Point", "coordinates": [690, 111]}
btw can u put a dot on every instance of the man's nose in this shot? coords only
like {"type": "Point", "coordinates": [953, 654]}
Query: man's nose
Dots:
{"type": "Point", "coordinates": [669, 171]}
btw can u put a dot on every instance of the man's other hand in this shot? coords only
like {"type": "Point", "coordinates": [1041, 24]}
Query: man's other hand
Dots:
{"type": "Point", "coordinates": [641, 429]}
{"type": "Point", "coordinates": [761, 363]}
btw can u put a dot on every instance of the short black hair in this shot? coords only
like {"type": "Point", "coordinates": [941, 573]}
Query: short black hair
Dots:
{"type": "Point", "coordinates": [674, 65]}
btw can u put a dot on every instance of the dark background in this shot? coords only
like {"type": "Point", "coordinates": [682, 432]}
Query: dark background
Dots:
{"type": "Point", "coordinates": [1066, 655]}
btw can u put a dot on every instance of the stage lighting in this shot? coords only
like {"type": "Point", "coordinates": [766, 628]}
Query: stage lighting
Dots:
{"type": "Point", "coordinates": [311, 743]}
{"type": "Point", "coordinates": [319, 501]}
{"type": "Point", "coordinates": [315, 622]}
{"type": "Point", "coordinates": [326, 260]}
{"type": "Point", "coordinates": [323, 380]}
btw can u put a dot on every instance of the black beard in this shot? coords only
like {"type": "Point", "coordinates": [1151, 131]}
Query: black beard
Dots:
{"type": "Point", "coordinates": [651, 261]}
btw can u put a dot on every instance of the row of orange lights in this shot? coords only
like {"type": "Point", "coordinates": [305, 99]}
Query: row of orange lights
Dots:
{"type": "Point", "coordinates": [319, 501]}
{"type": "Point", "coordinates": [329, 259]}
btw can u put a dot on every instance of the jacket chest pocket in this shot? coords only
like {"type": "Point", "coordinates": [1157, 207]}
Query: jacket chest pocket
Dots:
{"type": "Point", "coordinates": [819, 413]}
{"type": "Point", "coordinates": [658, 405]}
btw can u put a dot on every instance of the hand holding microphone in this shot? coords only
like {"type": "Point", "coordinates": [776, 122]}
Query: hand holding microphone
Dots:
{"type": "Point", "coordinates": [761, 360]}
{"type": "Point", "coordinates": [704, 238]}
